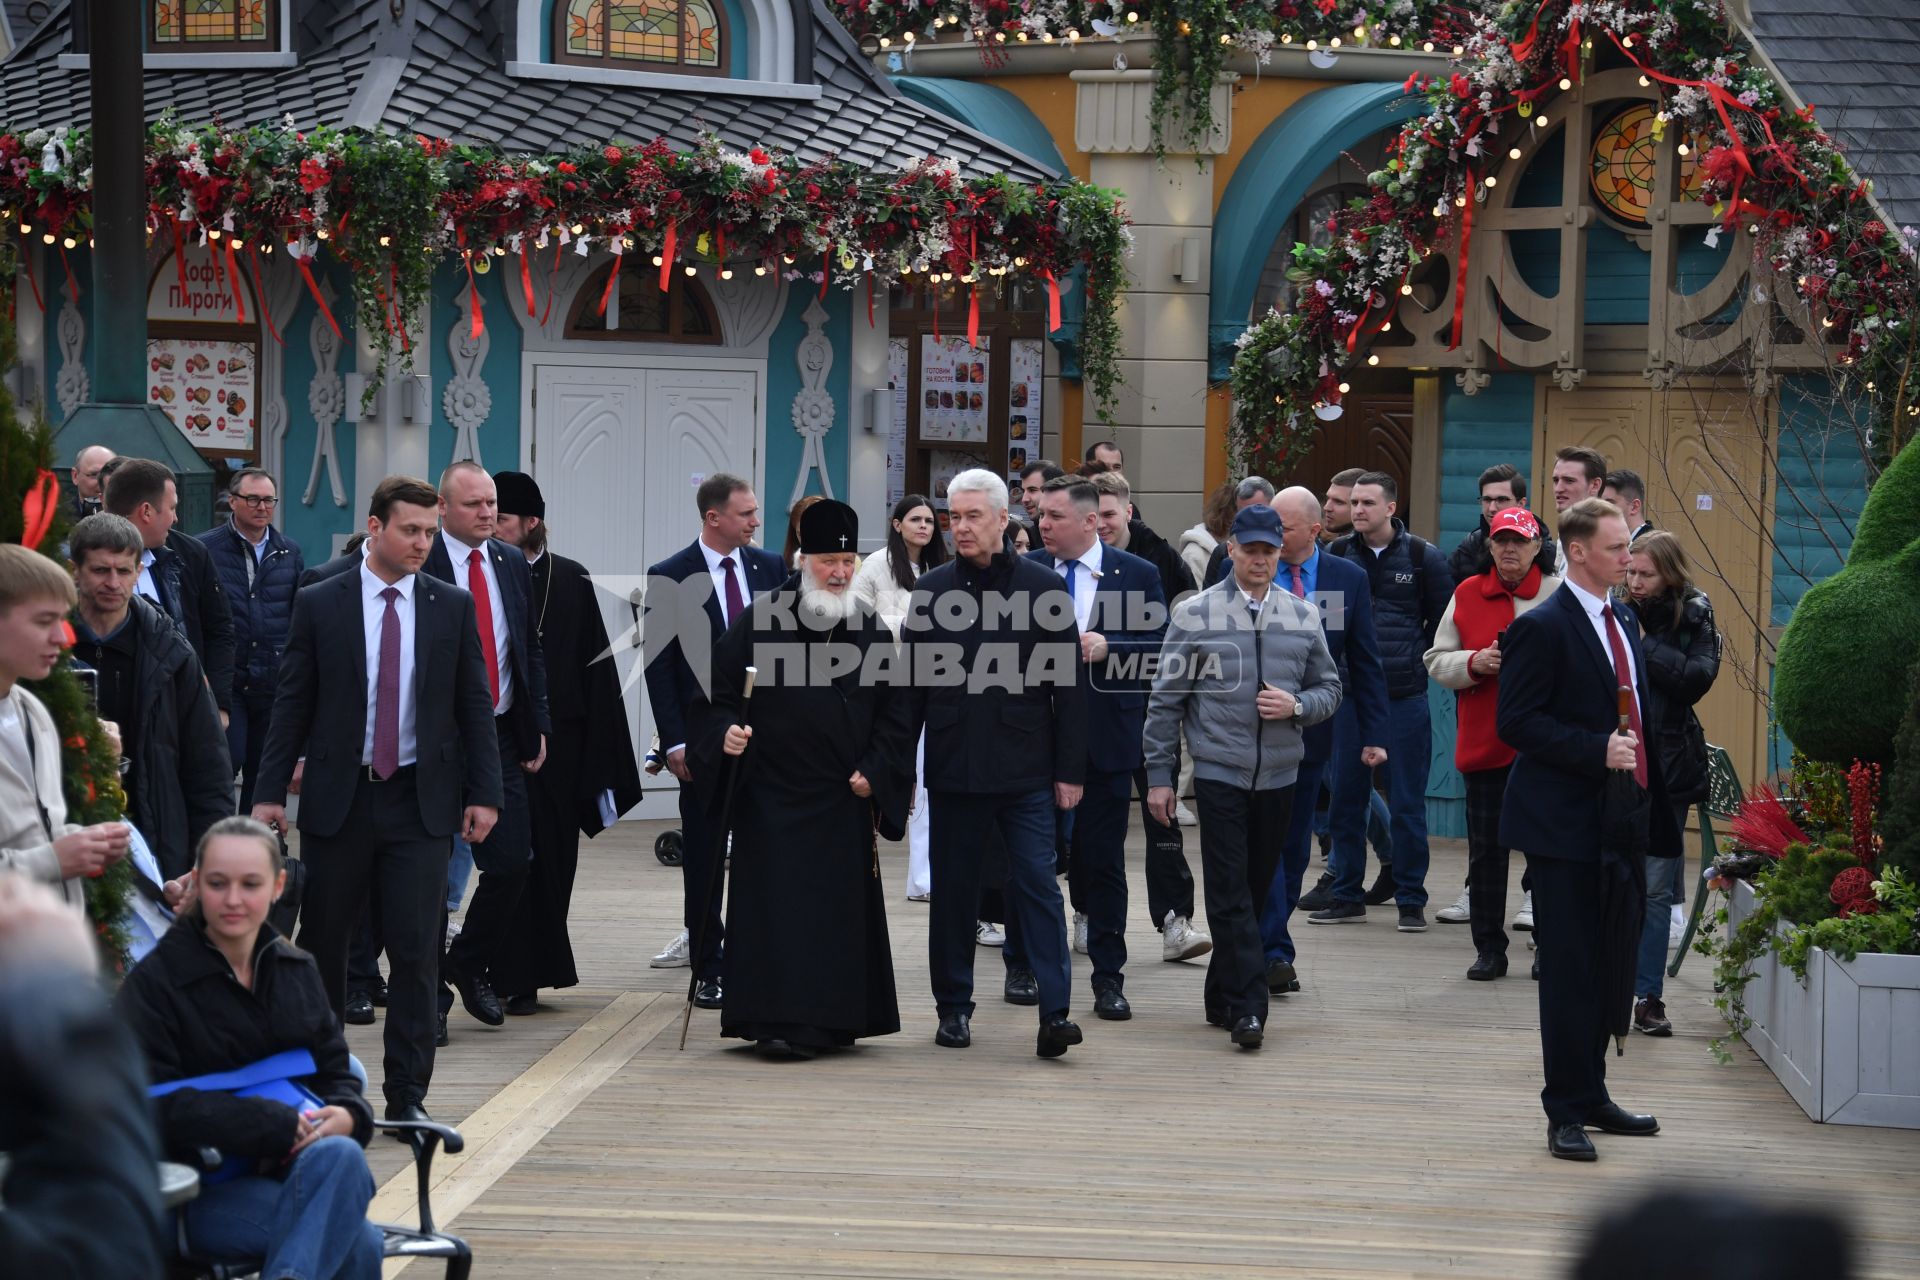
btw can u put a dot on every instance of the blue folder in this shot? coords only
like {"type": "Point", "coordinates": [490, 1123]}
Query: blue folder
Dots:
{"type": "Point", "coordinates": [277, 1077]}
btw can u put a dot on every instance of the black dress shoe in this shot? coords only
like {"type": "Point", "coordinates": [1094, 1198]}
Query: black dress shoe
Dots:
{"type": "Point", "coordinates": [707, 994]}
{"type": "Point", "coordinates": [956, 1031]}
{"type": "Point", "coordinates": [1022, 987]}
{"type": "Point", "coordinates": [1536, 968]}
{"type": "Point", "coordinates": [1610, 1118]}
{"type": "Point", "coordinates": [1281, 978]}
{"type": "Point", "coordinates": [1318, 898]}
{"type": "Point", "coordinates": [1383, 888]}
{"type": "Point", "coordinates": [1570, 1142]}
{"type": "Point", "coordinates": [359, 1010]}
{"type": "Point", "coordinates": [378, 995]}
{"type": "Point", "coordinates": [1108, 1003]}
{"type": "Point", "coordinates": [1247, 1032]}
{"type": "Point", "coordinates": [1488, 966]}
{"type": "Point", "coordinates": [477, 998]}
{"type": "Point", "coordinates": [440, 1031]}
{"type": "Point", "coordinates": [776, 1048]}
{"type": "Point", "coordinates": [406, 1111]}
{"type": "Point", "coordinates": [1057, 1034]}
{"type": "Point", "coordinates": [522, 1006]}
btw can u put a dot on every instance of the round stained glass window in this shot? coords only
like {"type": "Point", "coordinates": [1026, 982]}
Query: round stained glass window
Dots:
{"type": "Point", "coordinates": [1622, 166]}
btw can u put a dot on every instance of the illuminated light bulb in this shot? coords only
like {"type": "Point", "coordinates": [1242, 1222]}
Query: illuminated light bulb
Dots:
{"type": "Point", "coordinates": [579, 228]}
{"type": "Point", "coordinates": [213, 233]}
{"type": "Point", "coordinates": [70, 243]}
{"type": "Point", "coordinates": [320, 234]}
{"type": "Point", "coordinates": [1312, 45]}
{"type": "Point", "coordinates": [1662, 117]}
{"type": "Point", "coordinates": [47, 238]}
{"type": "Point", "coordinates": [267, 248]}
{"type": "Point", "coordinates": [907, 36]}
{"type": "Point", "coordinates": [690, 270]}
{"type": "Point", "coordinates": [1133, 15]}
{"type": "Point", "coordinates": [726, 273]}
{"type": "Point", "coordinates": [1684, 149]}
{"type": "Point", "coordinates": [1406, 291]}
{"type": "Point", "coordinates": [1427, 47]}
{"type": "Point", "coordinates": [886, 42]}
{"type": "Point", "coordinates": [1627, 43]}
{"type": "Point", "coordinates": [1492, 181]}
{"type": "Point", "coordinates": [1073, 33]}
{"type": "Point", "coordinates": [1046, 37]}
{"type": "Point", "coordinates": [238, 243]}
{"type": "Point", "coordinates": [1513, 154]}
{"type": "Point", "coordinates": [1286, 37]}
{"type": "Point", "coordinates": [1826, 322]}
{"type": "Point", "coordinates": [1373, 359]}
{"type": "Point", "coordinates": [1019, 262]}
{"type": "Point", "coordinates": [499, 251]}
{"type": "Point", "coordinates": [1644, 82]}
{"type": "Point", "coordinates": [1394, 41]}
{"type": "Point", "coordinates": [1440, 211]}
{"type": "Point", "coordinates": [386, 242]}
{"type": "Point", "coordinates": [1386, 326]}
{"type": "Point", "coordinates": [1458, 51]}
{"type": "Point", "coordinates": [659, 261]}
{"type": "Point", "coordinates": [787, 258]}
{"type": "Point", "coordinates": [1459, 202]}
{"type": "Point", "coordinates": [1279, 399]}
{"type": "Point", "coordinates": [1345, 387]}
{"type": "Point", "coordinates": [26, 229]}
{"type": "Point", "coordinates": [1540, 121]}
{"type": "Point", "coordinates": [1565, 84]}
{"type": "Point", "coordinates": [759, 270]}
{"type": "Point", "coordinates": [1754, 229]}
{"type": "Point", "coordinates": [1360, 33]}
{"type": "Point", "coordinates": [1869, 386]}
{"type": "Point", "coordinates": [1226, 39]}
{"type": "Point", "coordinates": [1334, 43]}
{"type": "Point", "coordinates": [1021, 36]}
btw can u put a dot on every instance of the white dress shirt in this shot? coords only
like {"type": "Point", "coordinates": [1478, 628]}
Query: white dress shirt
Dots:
{"type": "Point", "coordinates": [1593, 606]}
{"type": "Point", "coordinates": [143, 585]}
{"type": "Point", "coordinates": [719, 577]}
{"type": "Point", "coordinates": [1086, 581]}
{"type": "Point", "coordinates": [374, 611]}
{"type": "Point", "coordinates": [458, 552]}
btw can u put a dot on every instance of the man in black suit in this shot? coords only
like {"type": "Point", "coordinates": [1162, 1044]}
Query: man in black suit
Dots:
{"type": "Point", "coordinates": [1562, 665]}
{"type": "Point", "coordinates": [725, 571]}
{"type": "Point", "coordinates": [1000, 689]}
{"type": "Point", "coordinates": [177, 572]}
{"type": "Point", "coordinates": [495, 574]}
{"type": "Point", "coordinates": [1121, 611]}
{"type": "Point", "coordinates": [88, 483]}
{"type": "Point", "coordinates": [384, 691]}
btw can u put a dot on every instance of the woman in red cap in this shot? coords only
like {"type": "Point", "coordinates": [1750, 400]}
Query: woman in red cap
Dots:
{"type": "Point", "coordinates": [1465, 657]}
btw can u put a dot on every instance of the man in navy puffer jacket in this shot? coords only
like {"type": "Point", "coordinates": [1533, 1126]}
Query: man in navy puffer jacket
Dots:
{"type": "Point", "coordinates": [259, 569]}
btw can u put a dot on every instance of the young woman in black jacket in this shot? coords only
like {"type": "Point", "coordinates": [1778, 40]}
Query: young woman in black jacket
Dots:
{"type": "Point", "coordinates": [1682, 649]}
{"type": "Point", "coordinates": [223, 990]}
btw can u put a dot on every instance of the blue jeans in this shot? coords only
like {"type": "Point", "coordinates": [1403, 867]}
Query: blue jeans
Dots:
{"type": "Point", "coordinates": [1295, 852]}
{"type": "Point", "coordinates": [310, 1226]}
{"type": "Point", "coordinates": [459, 871]}
{"type": "Point", "coordinates": [1666, 886]}
{"type": "Point", "coordinates": [1409, 760]}
{"type": "Point", "coordinates": [1343, 822]}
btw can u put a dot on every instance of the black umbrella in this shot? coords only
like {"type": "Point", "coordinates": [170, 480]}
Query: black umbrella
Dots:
{"type": "Point", "coordinates": [1626, 816]}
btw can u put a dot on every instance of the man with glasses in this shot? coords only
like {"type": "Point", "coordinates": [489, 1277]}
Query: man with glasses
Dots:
{"type": "Point", "coordinates": [87, 482]}
{"type": "Point", "coordinates": [1501, 486]}
{"type": "Point", "coordinates": [259, 570]}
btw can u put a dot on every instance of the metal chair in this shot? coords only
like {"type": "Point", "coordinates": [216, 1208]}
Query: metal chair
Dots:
{"type": "Point", "coordinates": [1723, 802]}
{"type": "Point", "coordinates": [400, 1241]}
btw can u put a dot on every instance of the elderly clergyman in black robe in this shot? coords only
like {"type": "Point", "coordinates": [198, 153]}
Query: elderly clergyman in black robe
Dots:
{"type": "Point", "coordinates": [826, 758]}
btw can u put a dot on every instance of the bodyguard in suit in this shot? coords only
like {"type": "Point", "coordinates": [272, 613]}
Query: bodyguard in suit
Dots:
{"type": "Point", "coordinates": [994, 654]}
{"type": "Point", "coordinates": [1121, 610]}
{"type": "Point", "coordinates": [1340, 590]}
{"type": "Point", "coordinates": [384, 691]}
{"type": "Point", "coordinates": [725, 571]}
{"type": "Point", "coordinates": [1561, 667]}
{"type": "Point", "coordinates": [495, 574]}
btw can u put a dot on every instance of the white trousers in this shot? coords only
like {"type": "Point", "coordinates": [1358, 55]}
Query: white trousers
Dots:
{"type": "Point", "coordinates": [919, 866]}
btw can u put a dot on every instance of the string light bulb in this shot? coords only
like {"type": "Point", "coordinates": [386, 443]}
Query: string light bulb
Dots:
{"type": "Point", "coordinates": [1312, 45]}
{"type": "Point", "coordinates": [320, 233]}
{"type": "Point", "coordinates": [907, 36]}
{"type": "Point", "coordinates": [1334, 43]}
{"type": "Point", "coordinates": [1286, 37]}
{"type": "Point", "coordinates": [386, 242]}
{"type": "Point", "coordinates": [759, 269]}
{"type": "Point", "coordinates": [1372, 359]}
{"type": "Point", "coordinates": [1565, 84]}
{"type": "Point", "coordinates": [579, 228]}
{"type": "Point", "coordinates": [726, 273]}
{"type": "Point", "coordinates": [1345, 387]}
{"type": "Point", "coordinates": [1492, 181]}
{"type": "Point", "coordinates": [690, 269]}
{"type": "Point", "coordinates": [1427, 47]}
{"type": "Point", "coordinates": [47, 238]}
{"type": "Point", "coordinates": [1406, 291]}
{"type": "Point", "coordinates": [1360, 32]}
{"type": "Point", "coordinates": [213, 233]}
{"type": "Point", "coordinates": [69, 243]}
{"type": "Point", "coordinates": [1684, 150]}
{"type": "Point", "coordinates": [1458, 51]}
{"type": "Point", "coordinates": [659, 261]}
{"type": "Point", "coordinates": [1513, 153]}
{"type": "Point", "coordinates": [1644, 82]}
{"type": "Point", "coordinates": [886, 42]}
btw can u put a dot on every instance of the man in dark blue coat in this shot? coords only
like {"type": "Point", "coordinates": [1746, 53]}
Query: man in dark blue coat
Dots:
{"type": "Point", "coordinates": [994, 655]}
{"type": "Point", "coordinates": [1340, 589]}
{"type": "Point", "coordinates": [1561, 668]}
{"type": "Point", "coordinates": [1121, 611]}
{"type": "Point", "coordinates": [259, 569]}
{"type": "Point", "coordinates": [495, 574]}
{"type": "Point", "coordinates": [723, 571]}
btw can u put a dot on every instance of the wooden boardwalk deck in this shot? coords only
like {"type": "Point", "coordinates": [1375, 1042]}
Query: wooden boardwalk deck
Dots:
{"type": "Point", "coordinates": [1390, 1127]}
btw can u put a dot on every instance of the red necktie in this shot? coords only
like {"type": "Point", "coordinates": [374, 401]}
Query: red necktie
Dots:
{"type": "Point", "coordinates": [386, 692]}
{"type": "Point", "coordinates": [1624, 674]}
{"type": "Point", "coordinates": [1299, 585]}
{"type": "Point", "coordinates": [483, 615]}
{"type": "Point", "coordinates": [734, 603]}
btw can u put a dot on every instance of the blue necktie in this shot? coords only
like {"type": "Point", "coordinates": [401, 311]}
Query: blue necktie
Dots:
{"type": "Point", "coordinates": [1071, 566]}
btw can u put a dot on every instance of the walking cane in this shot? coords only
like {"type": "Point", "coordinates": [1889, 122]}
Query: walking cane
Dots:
{"type": "Point", "coordinates": [716, 881]}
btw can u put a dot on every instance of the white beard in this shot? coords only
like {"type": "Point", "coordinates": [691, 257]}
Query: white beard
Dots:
{"type": "Point", "coordinates": [822, 609]}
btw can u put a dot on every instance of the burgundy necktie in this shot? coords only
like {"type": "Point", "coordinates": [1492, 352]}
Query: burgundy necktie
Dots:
{"type": "Point", "coordinates": [483, 615]}
{"type": "Point", "coordinates": [734, 603]}
{"type": "Point", "coordinates": [1299, 584]}
{"type": "Point", "coordinates": [1624, 674]}
{"type": "Point", "coordinates": [386, 692]}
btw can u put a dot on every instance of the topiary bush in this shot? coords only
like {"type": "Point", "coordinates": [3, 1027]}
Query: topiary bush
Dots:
{"type": "Point", "coordinates": [1900, 801]}
{"type": "Point", "coordinates": [1841, 674]}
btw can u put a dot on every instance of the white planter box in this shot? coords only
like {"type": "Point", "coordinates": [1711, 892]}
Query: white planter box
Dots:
{"type": "Point", "coordinates": [1846, 1042]}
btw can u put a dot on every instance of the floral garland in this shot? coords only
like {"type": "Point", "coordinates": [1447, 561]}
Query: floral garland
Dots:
{"type": "Point", "coordinates": [1765, 166]}
{"type": "Point", "coordinates": [390, 206]}
{"type": "Point", "coordinates": [1191, 37]}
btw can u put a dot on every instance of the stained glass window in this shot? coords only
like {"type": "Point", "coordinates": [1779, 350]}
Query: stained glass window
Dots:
{"type": "Point", "coordinates": [686, 33]}
{"type": "Point", "coordinates": [640, 310]}
{"type": "Point", "coordinates": [182, 25]}
{"type": "Point", "coordinates": [1622, 166]}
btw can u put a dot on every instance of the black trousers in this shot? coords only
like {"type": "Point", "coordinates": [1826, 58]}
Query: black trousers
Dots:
{"type": "Point", "coordinates": [700, 906]}
{"type": "Point", "coordinates": [1487, 859]}
{"type": "Point", "coordinates": [383, 847]}
{"type": "Point", "coordinates": [959, 831]}
{"type": "Point", "coordinates": [1241, 834]}
{"type": "Point", "coordinates": [247, 723]}
{"type": "Point", "coordinates": [1097, 873]}
{"type": "Point", "coordinates": [1573, 1019]}
{"type": "Point", "coordinates": [503, 860]}
{"type": "Point", "coordinates": [1169, 880]}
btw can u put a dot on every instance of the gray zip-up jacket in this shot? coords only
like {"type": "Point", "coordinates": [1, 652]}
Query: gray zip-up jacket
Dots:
{"type": "Point", "coordinates": [1211, 668]}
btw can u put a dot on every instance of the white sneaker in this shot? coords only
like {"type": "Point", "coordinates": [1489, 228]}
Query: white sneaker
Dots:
{"type": "Point", "coordinates": [1523, 918]}
{"type": "Point", "coordinates": [1459, 913]}
{"type": "Point", "coordinates": [1080, 933]}
{"type": "Point", "coordinates": [1181, 941]}
{"type": "Point", "coordinates": [988, 934]}
{"type": "Point", "coordinates": [1184, 816]}
{"type": "Point", "coordinates": [1676, 926]}
{"type": "Point", "coordinates": [675, 956]}
{"type": "Point", "coordinates": [453, 931]}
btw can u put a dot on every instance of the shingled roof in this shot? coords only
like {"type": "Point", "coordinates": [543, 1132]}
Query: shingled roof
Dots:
{"type": "Point", "coordinates": [439, 70]}
{"type": "Point", "coordinates": [1858, 63]}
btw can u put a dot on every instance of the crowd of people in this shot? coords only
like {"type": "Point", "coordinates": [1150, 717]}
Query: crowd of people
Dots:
{"type": "Point", "coordinates": [1002, 696]}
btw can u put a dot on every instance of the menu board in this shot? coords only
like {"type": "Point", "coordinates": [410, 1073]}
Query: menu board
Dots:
{"type": "Point", "coordinates": [1024, 389]}
{"type": "Point", "coordinates": [898, 354]}
{"type": "Point", "coordinates": [953, 390]}
{"type": "Point", "coordinates": [209, 387]}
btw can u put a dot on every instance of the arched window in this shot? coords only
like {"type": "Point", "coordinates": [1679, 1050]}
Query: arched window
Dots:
{"type": "Point", "coordinates": [640, 312]}
{"type": "Point", "coordinates": [688, 35]}
{"type": "Point", "coordinates": [240, 26]}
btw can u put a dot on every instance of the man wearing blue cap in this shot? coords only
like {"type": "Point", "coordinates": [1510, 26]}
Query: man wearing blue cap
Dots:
{"type": "Point", "coordinates": [1245, 669]}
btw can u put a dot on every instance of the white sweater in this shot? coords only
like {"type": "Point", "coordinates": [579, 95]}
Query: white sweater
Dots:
{"type": "Point", "coordinates": [875, 587]}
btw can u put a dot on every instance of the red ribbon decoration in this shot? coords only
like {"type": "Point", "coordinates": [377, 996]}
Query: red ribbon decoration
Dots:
{"type": "Point", "coordinates": [973, 317]}
{"type": "Point", "coordinates": [613, 279]}
{"type": "Point", "coordinates": [233, 277]}
{"type": "Point", "coordinates": [479, 325]}
{"type": "Point", "coordinates": [306, 273]}
{"type": "Point", "coordinates": [266, 312]}
{"type": "Point", "coordinates": [1460, 287]}
{"type": "Point", "coordinates": [1053, 302]}
{"type": "Point", "coordinates": [1570, 51]}
{"type": "Point", "coordinates": [38, 508]}
{"type": "Point", "coordinates": [667, 252]}
{"type": "Point", "coordinates": [73, 286]}
{"type": "Point", "coordinates": [1523, 47]}
{"type": "Point", "coordinates": [526, 284]}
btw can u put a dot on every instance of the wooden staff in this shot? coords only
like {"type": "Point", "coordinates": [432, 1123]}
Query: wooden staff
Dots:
{"type": "Point", "coordinates": [716, 882]}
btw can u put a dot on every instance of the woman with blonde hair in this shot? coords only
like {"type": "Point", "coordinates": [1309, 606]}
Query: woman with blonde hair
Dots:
{"type": "Point", "coordinates": [1216, 519]}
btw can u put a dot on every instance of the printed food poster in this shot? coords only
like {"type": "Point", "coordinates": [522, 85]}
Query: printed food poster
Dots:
{"type": "Point", "coordinates": [953, 390]}
{"type": "Point", "coordinates": [208, 386]}
{"type": "Point", "coordinates": [1028, 370]}
{"type": "Point", "coordinates": [943, 465]}
{"type": "Point", "coordinates": [898, 355]}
